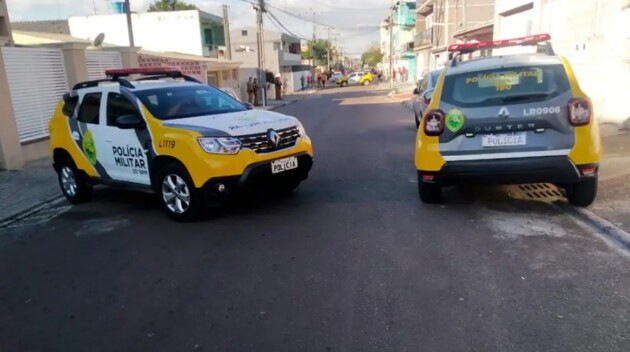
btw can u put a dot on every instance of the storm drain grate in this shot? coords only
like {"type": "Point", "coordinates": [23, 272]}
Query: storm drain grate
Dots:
{"type": "Point", "coordinates": [538, 191]}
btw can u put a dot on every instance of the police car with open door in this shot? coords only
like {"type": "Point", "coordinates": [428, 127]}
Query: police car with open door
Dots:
{"type": "Point", "coordinates": [171, 134]}
{"type": "Point", "coordinates": [509, 119]}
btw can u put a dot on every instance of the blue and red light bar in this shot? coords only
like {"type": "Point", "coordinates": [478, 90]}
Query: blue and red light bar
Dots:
{"type": "Point", "coordinates": [528, 40]}
{"type": "Point", "coordinates": [125, 72]}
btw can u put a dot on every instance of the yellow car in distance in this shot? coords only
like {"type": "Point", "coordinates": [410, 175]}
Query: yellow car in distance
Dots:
{"type": "Point", "coordinates": [354, 78]}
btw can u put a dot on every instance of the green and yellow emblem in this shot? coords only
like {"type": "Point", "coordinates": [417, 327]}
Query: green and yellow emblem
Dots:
{"type": "Point", "coordinates": [89, 148]}
{"type": "Point", "coordinates": [454, 120]}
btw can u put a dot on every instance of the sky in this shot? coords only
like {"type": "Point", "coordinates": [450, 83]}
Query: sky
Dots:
{"type": "Point", "coordinates": [355, 21]}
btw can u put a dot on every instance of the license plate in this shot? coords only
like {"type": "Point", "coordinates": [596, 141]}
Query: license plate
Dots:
{"type": "Point", "coordinates": [284, 164]}
{"type": "Point", "coordinates": [503, 140]}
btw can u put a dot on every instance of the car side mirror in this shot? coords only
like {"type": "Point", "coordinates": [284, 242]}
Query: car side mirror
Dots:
{"type": "Point", "coordinates": [416, 91]}
{"type": "Point", "coordinates": [248, 105]}
{"type": "Point", "coordinates": [427, 96]}
{"type": "Point", "coordinates": [126, 122]}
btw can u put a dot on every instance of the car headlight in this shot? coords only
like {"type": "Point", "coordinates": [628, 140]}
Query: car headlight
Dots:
{"type": "Point", "coordinates": [301, 131]}
{"type": "Point", "coordinates": [220, 145]}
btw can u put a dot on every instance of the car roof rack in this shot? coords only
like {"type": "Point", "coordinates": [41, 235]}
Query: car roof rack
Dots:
{"type": "Point", "coordinates": [149, 73]}
{"type": "Point", "coordinates": [539, 40]}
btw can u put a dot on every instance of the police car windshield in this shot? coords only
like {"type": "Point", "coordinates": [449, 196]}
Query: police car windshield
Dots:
{"type": "Point", "coordinates": [176, 102]}
{"type": "Point", "coordinates": [504, 86]}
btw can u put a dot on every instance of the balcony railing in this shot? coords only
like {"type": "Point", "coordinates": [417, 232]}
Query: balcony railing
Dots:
{"type": "Point", "coordinates": [423, 38]}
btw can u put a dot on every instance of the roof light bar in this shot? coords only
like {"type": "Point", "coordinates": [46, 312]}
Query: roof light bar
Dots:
{"type": "Point", "coordinates": [528, 40]}
{"type": "Point", "coordinates": [124, 72]}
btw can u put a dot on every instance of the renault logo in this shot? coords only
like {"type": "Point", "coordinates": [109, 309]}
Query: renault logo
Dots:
{"type": "Point", "coordinates": [273, 138]}
{"type": "Point", "coordinates": [504, 113]}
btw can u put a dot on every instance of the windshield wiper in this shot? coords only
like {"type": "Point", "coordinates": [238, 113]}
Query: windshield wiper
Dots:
{"type": "Point", "coordinates": [513, 98]}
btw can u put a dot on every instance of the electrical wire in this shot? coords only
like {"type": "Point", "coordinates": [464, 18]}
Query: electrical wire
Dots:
{"type": "Point", "coordinates": [317, 22]}
{"type": "Point", "coordinates": [335, 7]}
{"type": "Point", "coordinates": [281, 26]}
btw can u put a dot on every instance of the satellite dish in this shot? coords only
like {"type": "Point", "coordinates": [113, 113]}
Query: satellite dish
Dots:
{"type": "Point", "coordinates": [98, 41]}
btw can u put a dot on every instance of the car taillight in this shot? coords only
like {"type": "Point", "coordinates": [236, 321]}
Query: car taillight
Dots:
{"type": "Point", "coordinates": [434, 123]}
{"type": "Point", "coordinates": [580, 111]}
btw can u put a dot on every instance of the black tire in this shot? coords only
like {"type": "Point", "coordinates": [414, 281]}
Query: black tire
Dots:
{"type": "Point", "coordinates": [178, 210]}
{"type": "Point", "coordinates": [72, 182]}
{"type": "Point", "coordinates": [343, 84]}
{"type": "Point", "coordinates": [415, 116]}
{"type": "Point", "coordinates": [583, 193]}
{"type": "Point", "coordinates": [429, 193]}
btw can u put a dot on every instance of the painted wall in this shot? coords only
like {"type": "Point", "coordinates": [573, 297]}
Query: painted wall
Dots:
{"type": "Point", "coordinates": [177, 31]}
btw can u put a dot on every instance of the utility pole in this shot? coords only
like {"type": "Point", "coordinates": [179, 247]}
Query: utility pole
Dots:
{"type": "Point", "coordinates": [446, 24]}
{"type": "Point", "coordinates": [262, 77]}
{"type": "Point", "coordinates": [391, 46]}
{"type": "Point", "coordinates": [313, 49]}
{"type": "Point", "coordinates": [328, 51]}
{"type": "Point", "coordinates": [226, 33]}
{"type": "Point", "coordinates": [129, 26]}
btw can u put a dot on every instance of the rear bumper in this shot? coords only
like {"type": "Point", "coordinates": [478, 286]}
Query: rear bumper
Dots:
{"type": "Point", "coordinates": [554, 169]}
{"type": "Point", "coordinates": [255, 176]}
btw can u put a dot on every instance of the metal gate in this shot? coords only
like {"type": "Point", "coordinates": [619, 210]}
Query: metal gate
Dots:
{"type": "Point", "coordinates": [98, 61]}
{"type": "Point", "coordinates": [37, 80]}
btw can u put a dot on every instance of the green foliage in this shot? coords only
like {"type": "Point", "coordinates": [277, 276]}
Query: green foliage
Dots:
{"type": "Point", "coordinates": [317, 50]}
{"type": "Point", "coordinates": [170, 5]}
{"type": "Point", "coordinates": [372, 57]}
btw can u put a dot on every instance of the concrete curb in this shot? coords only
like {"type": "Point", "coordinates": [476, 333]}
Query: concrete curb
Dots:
{"type": "Point", "coordinates": [19, 215]}
{"type": "Point", "coordinates": [605, 227]}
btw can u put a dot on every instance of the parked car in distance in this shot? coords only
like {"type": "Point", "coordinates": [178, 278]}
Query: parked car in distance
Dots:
{"type": "Point", "coordinates": [422, 94]}
{"type": "Point", "coordinates": [364, 78]}
{"type": "Point", "coordinates": [335, 76]}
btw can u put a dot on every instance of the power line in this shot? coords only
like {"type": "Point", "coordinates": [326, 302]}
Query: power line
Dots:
{"type": "Point", "coordinates": [317, 22]}
{"type": "Point", "coordinates": [335, 7]}
{"type": "Point", "coordinates": [279, 24]}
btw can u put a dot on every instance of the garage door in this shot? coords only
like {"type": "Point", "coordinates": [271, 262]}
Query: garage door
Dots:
{"type": "Point", "coordinates": [98, 61]}
{"type": "Point", "coordinates": [37, 80]}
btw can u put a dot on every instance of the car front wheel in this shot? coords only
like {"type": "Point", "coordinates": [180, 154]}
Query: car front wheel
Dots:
{"type": "Point", "coordinates": [180, 198]}
{"type": "Point", "coordinates": [583, 193]}
{"type": "Point", "coordinates": [415, 116]}
{"type": "Point", "coordinates": [73, 184]}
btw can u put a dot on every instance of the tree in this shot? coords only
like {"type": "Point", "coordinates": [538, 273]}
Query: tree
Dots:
{"type": "Point", "coordinates": [317, 50]}
{"type": "Point", "coordinates": [170, 5]}
{"type": "Point", "coordinates": [372, 57]}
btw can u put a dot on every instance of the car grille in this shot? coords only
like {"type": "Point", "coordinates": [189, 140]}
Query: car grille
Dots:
{"type": "Point", "coordinates": [260, 144]}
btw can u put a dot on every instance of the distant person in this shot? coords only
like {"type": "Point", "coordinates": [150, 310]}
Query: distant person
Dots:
{"type": "Point", "coordinates": [308, 79]}
{"type": "Point", "coordinates": [255, 89]}
{"type": "Point", "coordinates": [302, 81]}
{"type": "Point", "coordinates": [324, 78]}
{"type": "Point", "coordinates": [250, 90]}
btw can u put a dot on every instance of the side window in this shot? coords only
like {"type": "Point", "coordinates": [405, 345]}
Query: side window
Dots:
{"type": "Point", "coordinates": [69, 104]}
{"type": "Point", "coordinates": [118, 105]}
{"type": "Point", "coordinates": [89, 112]}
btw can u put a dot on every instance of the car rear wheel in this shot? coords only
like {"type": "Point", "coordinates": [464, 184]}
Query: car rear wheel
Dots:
{"type": "Point", "coordinates": [429, 192]}
{"type": "Point", "coordinates": [343, 84]}
{"type": "Point", "coordinates": [180, 198]}
{"type": "Point", "coordinates": [583, 193]}
{"type": "Point", "coordinates": [73, 183]}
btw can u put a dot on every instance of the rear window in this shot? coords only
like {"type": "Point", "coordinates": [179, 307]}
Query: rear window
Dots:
{"type": "Point", "coordinates": [504, 86]}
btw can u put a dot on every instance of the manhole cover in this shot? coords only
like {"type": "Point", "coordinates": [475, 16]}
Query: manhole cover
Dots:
{"type": "Point", "coordinates": [537, 191]}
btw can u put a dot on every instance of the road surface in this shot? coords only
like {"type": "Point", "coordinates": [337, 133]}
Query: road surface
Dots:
{"type": "Point", "coordinates": [351, 262]}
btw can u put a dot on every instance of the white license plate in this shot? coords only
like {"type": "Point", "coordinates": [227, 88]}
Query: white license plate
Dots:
{"type": "Point", "coordinates": [503, 140]}
{"type": "Point", "coordinates": [284, 164]}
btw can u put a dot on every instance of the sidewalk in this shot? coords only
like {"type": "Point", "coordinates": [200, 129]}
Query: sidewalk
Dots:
{"type": "Point", "coordinates": [273, 104]}
{"type": "Point", "coordinates": [26, 189]}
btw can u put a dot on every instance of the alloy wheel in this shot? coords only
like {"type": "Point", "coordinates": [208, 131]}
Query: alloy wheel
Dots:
{"type": "Point", "coordinates": [176, 194]}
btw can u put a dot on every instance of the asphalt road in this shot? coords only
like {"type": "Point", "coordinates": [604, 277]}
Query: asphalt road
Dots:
{"type": "Point", "coordinates": [351, 262]}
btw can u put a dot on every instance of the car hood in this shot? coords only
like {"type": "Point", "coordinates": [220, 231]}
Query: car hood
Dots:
{"type": "Point", "coordinates": [234, 123]}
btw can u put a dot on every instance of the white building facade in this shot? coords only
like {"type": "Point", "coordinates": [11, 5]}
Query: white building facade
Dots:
{"type": "Point", "coordinates": [594, 35]}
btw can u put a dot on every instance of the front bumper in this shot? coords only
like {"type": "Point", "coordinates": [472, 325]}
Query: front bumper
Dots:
{"type": "Point", "coordinates": [555, 169]}
{"type": "Point", "coordinates": [256, 175]}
